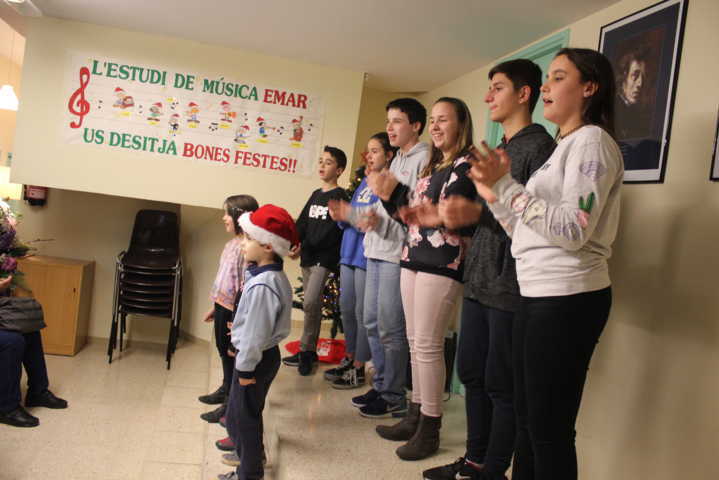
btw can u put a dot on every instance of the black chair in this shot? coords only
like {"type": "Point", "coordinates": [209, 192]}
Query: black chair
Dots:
{"type": "Point", "coordinates": [148, 277]}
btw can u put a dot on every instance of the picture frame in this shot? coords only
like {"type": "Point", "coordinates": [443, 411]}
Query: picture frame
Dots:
{"type": "Point", "coordinates": [644, 49]}
{"type": "Point", "coordinates": [714, 172]}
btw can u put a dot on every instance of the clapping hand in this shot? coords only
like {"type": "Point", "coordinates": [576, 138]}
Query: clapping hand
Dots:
{"type": "Point", "coordinates": [339, 210]}
{"type": "Point", "coordinates": [382, 183]}
{"type": "Point", "coordinates": [425, 215]}
{"type": "Point", "coordinates": [368, 221]}
{"type": "Point", "coordinates": [487, 168]}
{"type": "Point", "coordinates": [457, 211]}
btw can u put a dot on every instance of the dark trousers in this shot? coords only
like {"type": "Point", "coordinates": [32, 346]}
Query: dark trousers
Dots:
{"type": "Point", "coordinates": [554, 341]}
{"type": "Point", "coordinates": [484, 366]}
{"type": "Point", "coordinates": [244, 415]}
{"type": "Point", "coordinates": [222, 341]}
{"type": "Point", "coordinates": [18, 349]}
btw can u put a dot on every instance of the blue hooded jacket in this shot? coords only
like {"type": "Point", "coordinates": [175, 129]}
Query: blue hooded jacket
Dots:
{"type": "Point", "coordinates": [352, 249]}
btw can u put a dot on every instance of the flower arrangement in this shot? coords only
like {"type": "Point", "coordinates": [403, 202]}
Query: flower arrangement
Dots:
{"type": "Point", "coordinates": [11, 247]}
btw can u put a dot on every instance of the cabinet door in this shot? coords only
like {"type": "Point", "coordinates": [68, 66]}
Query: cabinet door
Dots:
{"type": "Point", "coordinates": [56, 288]}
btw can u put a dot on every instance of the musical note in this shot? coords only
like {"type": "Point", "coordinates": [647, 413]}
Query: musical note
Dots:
{"type": "Point", "coordinates": [77, 105]}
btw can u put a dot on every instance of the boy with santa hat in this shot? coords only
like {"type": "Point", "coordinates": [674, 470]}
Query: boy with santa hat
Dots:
{"type": "Point", "coordinates": [262, 321]}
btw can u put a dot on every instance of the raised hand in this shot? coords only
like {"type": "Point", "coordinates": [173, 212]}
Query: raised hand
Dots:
{"type": "Point", "coordinates": [294, 251]}
{"type": "Point", "coordinates": [382, 183]}
{"type": "Point", "coordinates": [425, 215]}
{"type": "Point", "coordinates": [487, 168]}
{"type": "Point", "coordinates": [457, 211]}
{"type": "Point", "coordinates": [368, 221]}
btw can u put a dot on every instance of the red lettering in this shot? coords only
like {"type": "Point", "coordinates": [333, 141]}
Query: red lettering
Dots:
{"type": "Point", "coordinates": [302, 101]}
{"type": "Point", "coordinates": [226, 155]}
{"type": "Point", "coordinates": [279, 98]}
{"type": "Point", "coordinates": [290, 100]}
{"type": "Point", "coordinates": [268, 95]}
{"type": "Point", "coordinates": [256, 159]}
{"type": "Point", "coordinates": [264, 160]}
{"type": "Point", "coordinates": [188, 150]}
{"type": "Point", "coordinates": [273, 162]}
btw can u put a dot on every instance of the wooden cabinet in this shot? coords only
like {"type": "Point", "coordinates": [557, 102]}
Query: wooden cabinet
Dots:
{"type": "Point", "coordinates": [64, 289]}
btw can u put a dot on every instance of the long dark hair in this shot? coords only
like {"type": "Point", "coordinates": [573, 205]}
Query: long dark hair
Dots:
{"type": "Point", "coordinates": [236, 205]}
{"type": "Point", "coordinates": [383, 140]}
{"type": "Point", "coordinates": [595, 67]}
{"type": "Point", "coordinates": [465, 137]}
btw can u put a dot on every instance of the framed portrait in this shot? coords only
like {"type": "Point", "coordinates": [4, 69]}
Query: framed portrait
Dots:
{"type": "Point", "coordinates": [714, 174]}
{"type": "Point", "coordinates": [644, 49]}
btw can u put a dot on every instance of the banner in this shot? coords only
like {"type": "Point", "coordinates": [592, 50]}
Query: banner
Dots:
{"type": "Point", "coordinates": [191, 117]}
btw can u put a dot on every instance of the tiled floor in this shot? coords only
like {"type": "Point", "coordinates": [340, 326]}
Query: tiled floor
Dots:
{"type": "Point", "coordinates": [134, 420]}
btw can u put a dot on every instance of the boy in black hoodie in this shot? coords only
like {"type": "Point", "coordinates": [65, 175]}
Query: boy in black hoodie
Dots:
{"type": "Point", "coordinates": [491, 292]}
{"type": "Point", "coordinates": [320, 239]}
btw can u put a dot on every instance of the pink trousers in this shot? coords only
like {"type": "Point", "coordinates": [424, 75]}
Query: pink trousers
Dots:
{"type": "Point", "coordinates": [428, 302]}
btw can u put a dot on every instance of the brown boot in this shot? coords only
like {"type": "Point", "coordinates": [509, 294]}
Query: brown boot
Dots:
{"type": "Point", "coordinates": [425, 441]}
{"type": "Point", "coordinates": [405, 429]}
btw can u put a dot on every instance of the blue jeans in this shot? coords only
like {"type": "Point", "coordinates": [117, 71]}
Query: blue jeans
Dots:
{"type": "Point", "coordinates": [352, 291]}
{"type": "Point", "coordinates": [386, 332]}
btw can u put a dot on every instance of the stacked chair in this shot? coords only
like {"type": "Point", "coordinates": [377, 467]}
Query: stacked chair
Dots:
{"type": "Point", "coordinates": [148, 277]}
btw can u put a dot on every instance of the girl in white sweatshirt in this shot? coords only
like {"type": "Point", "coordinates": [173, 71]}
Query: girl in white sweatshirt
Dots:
{"type": "Point", "coordinates": [562, 224]}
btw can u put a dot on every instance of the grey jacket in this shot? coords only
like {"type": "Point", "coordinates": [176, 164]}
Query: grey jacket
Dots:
{"type": "Point", "coordinates": [490, 275]}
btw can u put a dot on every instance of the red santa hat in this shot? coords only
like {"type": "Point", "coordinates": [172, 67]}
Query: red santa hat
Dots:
{"type": "Point", "coordinates": [271, 225]}
{"type": "Point", "coordinates": [175, 115]}
{"type": "Point", "coordinates": [157, 104]}
{"type": "Point", "coordinates": [260, 119]}
{"type": "Point", "coordinates": [225, 104]}
{"type": "Point", "coordinates": [246, 127]}
{"type": "Point", "coordinates": [192, 104]}
{"type": "Point", "coordinates": [118, 90]}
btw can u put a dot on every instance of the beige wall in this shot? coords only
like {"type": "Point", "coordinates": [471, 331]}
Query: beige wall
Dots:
{"type": "Point", "coordinates": [12, 45]}
{"type": "Point", "coordinates": [649, 408]}
{"type": "Point", "coordinates": [42, 156]}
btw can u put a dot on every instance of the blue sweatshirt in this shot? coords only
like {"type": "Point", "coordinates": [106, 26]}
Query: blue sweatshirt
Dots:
{"type": "Point", "coordinates": [262, 319]}
{"type": "Point", "coordinates": [352, 249]}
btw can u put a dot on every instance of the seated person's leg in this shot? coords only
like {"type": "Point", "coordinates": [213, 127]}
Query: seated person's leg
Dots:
{"type": "Point", "coordinates": [12, 348]}
{"type": "Point", "coordinates": [38, 394]}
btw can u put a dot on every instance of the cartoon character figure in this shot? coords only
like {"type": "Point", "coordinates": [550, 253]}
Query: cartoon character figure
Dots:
{"type": "Point", "coordinates": [155, 113]}
{"type": "Point", "coordinates": [124, 101]}
{"type": "Point", "coordinates": [262, 128]}
{"type": "Point", "coordinates": [192, 111]}
{"type": "Point", "coordinates": [227, 114]}
{"type": "Point", "coordinates": [297, 131]}
{"type": "Point", "coordinates": [174, 123]}
{"type": "Point", "coordinates": [241, 135]}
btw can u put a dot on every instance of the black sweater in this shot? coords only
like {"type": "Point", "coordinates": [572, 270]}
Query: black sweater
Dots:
{"type": "Point", "coordinates": [319, 234]}
{"type": "Point", "coordinates": [490, 275]}
{"type": "Point", "coordinates": [435, 250]}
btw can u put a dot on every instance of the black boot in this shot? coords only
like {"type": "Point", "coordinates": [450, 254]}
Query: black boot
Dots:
{"type": "Point", "coordinates": [405, 429]}
{"type": "Point", "coordinates": [215, 415]}
{"type": "Point", "coordinates": [217, 397]}
{"type": "Point", "coordinates": [425, 441]}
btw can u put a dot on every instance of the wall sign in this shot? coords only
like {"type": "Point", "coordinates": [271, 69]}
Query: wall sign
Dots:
{"type": "Point", "coordinates": [188, 116]}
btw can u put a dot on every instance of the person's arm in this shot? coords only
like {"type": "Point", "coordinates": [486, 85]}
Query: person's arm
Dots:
{"type": "Point", "coordinates": [301, 223]}
{"type": "Point", "coordinates": [459, 184]}
{"type": "Point", "coordinates": [590, 174]}
{"type": "Point", "coordinates": [261, 304]}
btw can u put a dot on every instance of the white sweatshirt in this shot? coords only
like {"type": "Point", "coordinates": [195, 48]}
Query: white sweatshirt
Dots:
{"type": "Point", "coordinates": [564, 221]}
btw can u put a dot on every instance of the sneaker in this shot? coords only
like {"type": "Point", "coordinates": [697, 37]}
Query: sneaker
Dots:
{"type": "Point", "coordinates": [336, 373]}
{"type": "Point", "coordinates": [364, 400]}
{"type": "Point", "coordinates": [217, 397]}
{"type": "Point", "coordinates": [214, 415]}
{"type": "Point", "coordinates": [352, 378]}
{"type": "Point", "coordinates": [308, 362]}
{"type": "Point", "coordinates": [228, 476]}
{"type": "Point", "coordinates": [226, 444]}
{"type": "Point", "coordinates": [292, 360]}
{"type": "Point", "coordinates": [381, 408]}
{"type": "Point", "coordinates": [468, 472]}
{"type": "Point", "coordinates": [445, 472]}
{"type": "Point", "coordinates": [231, 459]}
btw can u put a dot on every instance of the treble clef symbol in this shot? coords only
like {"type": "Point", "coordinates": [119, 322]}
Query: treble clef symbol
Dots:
{"type": "Point", "coordinates": [80, 106]}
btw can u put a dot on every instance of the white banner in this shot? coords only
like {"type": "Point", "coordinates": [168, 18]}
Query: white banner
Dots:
{"type": "Point", "coordinates": [190, 116]}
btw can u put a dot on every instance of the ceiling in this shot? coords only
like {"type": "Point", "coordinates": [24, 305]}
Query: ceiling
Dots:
{"type": "Point", "coordinates": [403, 45]}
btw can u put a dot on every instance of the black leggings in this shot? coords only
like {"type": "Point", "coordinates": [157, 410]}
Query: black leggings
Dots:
{"type": "Point", "coordinates": [222, 341]}
{"type": "Point", "coordinates": [554, 338]}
